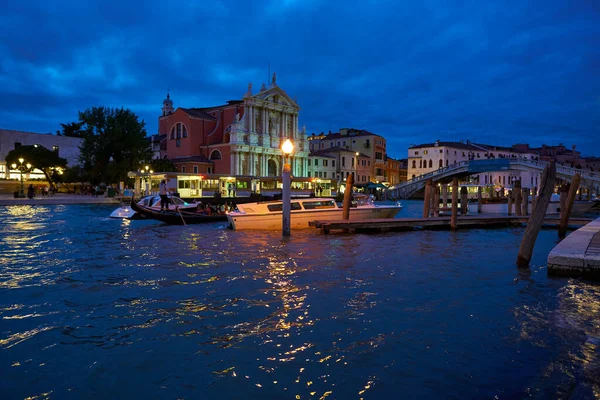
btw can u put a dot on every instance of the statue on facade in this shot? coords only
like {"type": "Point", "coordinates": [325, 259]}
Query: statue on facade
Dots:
{"type": "Point", "coordinates": [237, 118]}
{"type": "Point", "coordinates": [263, 87]}
{"type": "Point", "coordinates": [249, 92]}
{"type": "Point", "coordinates": [274, 80]}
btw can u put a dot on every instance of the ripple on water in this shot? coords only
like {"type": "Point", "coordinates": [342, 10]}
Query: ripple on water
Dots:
{"type": "Point", "coordinates": [108, 308]}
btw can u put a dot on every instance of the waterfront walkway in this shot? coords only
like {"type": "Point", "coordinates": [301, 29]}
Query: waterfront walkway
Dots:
{"type": "Point", "coordinates": [578, 253]}
{"type": "Point", "coordinates": [6, 200]}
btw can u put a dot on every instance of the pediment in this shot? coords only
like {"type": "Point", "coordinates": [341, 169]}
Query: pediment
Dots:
{"type": "Point", "coordinates": [276, 95]}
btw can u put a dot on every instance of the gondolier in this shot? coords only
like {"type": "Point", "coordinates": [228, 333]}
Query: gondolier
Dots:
{"type": "Point", "coordinates": [164, 199]}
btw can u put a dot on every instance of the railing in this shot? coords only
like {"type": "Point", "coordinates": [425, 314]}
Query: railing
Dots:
{"type": "Point", "coordinates": [409, 187]}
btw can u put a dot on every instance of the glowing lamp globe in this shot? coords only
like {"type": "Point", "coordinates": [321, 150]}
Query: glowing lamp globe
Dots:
{"type": "Point", "coordinates": [287, 147]}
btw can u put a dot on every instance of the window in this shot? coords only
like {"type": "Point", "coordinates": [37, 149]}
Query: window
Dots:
{"type": "Point", "coordinates": [414, 164]}
{"type": "Point", "coordinates": [215, 155]}
{"type": "Point", "coordinates": [420, 163]}
{"type": "Point", "coordinates": [325, 174]}
{"type": "Point", "coordinates": [441, 164]}
{"type": "Point", "coordinates": [183, 169]}
{"type": "Point", "coordinates": [441, 151]}
{"type": "Point", "coordinates": [195, 169]}
{"type": "Point", "coordinates": [312, 205]}
{"type": "Point", "coordinates": [430, 163]}
{"type": "Point", "coordinates": [55, 149]}
{"type": "Point", "coordinates": [316, 162]}
{"type": "Point", "coordinates": [446, 163]}
{"type": "Point", "coordinates": [325, 163]}
{"type": "Point", "coordinates": [333, 163]}
{"type": "Point", "coordinates": [416, 153]}
{"type": "Point", "coordinates": [343, 161]}
{"type": "Point", "coordinates": [279, 207]}
{"type": "Point", "coordinates": [309, 162]}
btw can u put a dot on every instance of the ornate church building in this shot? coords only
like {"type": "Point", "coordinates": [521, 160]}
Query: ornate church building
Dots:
{"type": "Point", "coordinates": [241, 138]}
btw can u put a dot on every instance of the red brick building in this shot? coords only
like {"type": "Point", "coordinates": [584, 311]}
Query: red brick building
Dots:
{"type": "Point", "coordinates": [242, 137]}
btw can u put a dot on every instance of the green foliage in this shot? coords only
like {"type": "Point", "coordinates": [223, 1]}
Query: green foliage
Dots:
{"type": "Point", "coordinates": [114, 142]}
{"type": "Point", "coordinates": [163, 166]}
{"type": "Point", "coordinates": [72, 129]}
{"type": "Point", "coordinates": [39, 157]}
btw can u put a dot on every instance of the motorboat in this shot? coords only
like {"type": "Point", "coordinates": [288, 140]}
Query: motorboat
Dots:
{"type": "Point", "coordinates": [177, 216]}
{"type": "Point", "coordinates": [267, 215]}
{"type": "Point", "coordinates": [152, 202]}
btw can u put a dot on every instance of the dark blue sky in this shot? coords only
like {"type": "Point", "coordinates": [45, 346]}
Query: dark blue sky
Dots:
{"type": "Point", "coordinates": [499, 72]}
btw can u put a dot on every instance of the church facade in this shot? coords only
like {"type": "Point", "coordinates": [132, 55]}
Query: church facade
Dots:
{"type": "Point", "coordinates": [240, 138]}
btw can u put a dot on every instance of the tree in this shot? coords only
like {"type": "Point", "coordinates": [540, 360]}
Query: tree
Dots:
{"type": "Point", "coordinates": [161, 165]}
{"type": "Point", "coordinates": [114, 142]}
{"type": "Point", "coordinates": [72, 129]}
{"type": "Point", "coordinates": [41, 158]}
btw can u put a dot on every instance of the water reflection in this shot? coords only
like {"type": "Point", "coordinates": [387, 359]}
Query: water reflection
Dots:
{"type": "Point", "coordinates": [98, 306]}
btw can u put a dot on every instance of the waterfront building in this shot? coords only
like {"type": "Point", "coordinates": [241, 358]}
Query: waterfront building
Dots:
{"type": "Point", "coordinates": [65, 146]}
{"type": "Point", "coordinates": [393, 171]}
{"type": "Point", "coordinates": [240, 138]}
{"type": "Point", "coordinates": [429, 157]}
{"type": "Point", "coordinates": [371, 146]}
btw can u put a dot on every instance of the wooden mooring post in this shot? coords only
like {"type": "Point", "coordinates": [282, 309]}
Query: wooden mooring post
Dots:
{"type": "Point", "coordinates": [464, 200]}
{"type": "Point", "coordinates": [427, 200]}
{"type": "Point", "coordinates": [525, 201]}
{"type": "Point", "coordinates": [454, 214]}
{"type": "Point", "coordinates": [436, 201]}
{"type": "Point", "coordinates": [563, 190]}
{"type": "Point", "coordinates": [537, 216]}
{"type": "Point", "coordinates": [510, 202]}
{"type": "Point", "coordinates": [348, 196]}
{"type": "Point", "coordinates": [445, 195]}
{"type": "Point", "coordinates": [517, 193]}
{"type": "Point", "coordinates": [564, 216]}
{"type": "Point", "coordinates": [479, 200]}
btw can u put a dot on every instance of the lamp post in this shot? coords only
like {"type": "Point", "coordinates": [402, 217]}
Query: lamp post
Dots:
{"type": "Point", "coordinates": [147, 179]}
{"type": "Point", "coordinates": [287, 148]}
{"type": "Point", "coordinates": [356, 167]}
{"type": "Point", "coordinates": [22, 168]}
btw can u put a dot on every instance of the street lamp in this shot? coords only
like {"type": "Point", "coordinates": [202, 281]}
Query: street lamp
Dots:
{"type": "Point", "coordinates": [147, 179]}
{"type": "Point", "coordinates": [287, 148]}
{"type": "Point", "coordinates": [356, 166]}
{"type": "Point", "coordinates": [22, 168]}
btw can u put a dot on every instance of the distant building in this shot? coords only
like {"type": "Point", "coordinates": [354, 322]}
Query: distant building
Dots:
{"type": "Point", "coordinates": [242, 137]}
{"type": "Point", "coordinates": [370, 146]}
{"type": "Point", "coordinates": [66, 147]}
{"type": "Point", "coordinates": [429, 157]}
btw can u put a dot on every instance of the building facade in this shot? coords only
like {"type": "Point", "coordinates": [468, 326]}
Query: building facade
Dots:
{"type": "Point", "coordinates": [371, 149]}
{"type": "Point", "coordinates": [66, 147]}
{"type": "Point", "coordinates": [242, 137]}
{"type": "Point", "coordinates": [429, 157]}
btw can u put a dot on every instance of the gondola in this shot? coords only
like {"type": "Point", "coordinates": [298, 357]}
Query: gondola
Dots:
{"type": "Point", "coordinates": [177, 217]}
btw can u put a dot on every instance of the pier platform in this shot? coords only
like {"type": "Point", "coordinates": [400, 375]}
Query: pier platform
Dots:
{"type": "Point", "coordinates": [399, 224]}
{"type": "Point", "coordinates": [578, 254]}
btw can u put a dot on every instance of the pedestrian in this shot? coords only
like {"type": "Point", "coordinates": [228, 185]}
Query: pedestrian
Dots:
{"type": "Point", "coordinates": [229, 189]}
{"type": "Point", "coordinates": [30, 192]}
{"type": "Point", "coordinates": [164, 199]}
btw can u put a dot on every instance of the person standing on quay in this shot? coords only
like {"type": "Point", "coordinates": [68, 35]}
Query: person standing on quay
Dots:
{"type": "Point", "coordinates": [164, 199]}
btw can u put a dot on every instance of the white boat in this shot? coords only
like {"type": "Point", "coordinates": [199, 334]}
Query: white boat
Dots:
{"type": "Point", "coordinates": [152, 202]}
{"type": "Point", "coordinates": [267, 215]}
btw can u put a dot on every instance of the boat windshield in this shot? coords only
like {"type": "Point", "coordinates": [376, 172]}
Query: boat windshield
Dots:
{"type": "Point", "coordinates": [318, 204]}
{"type": "Point", "coordinates": [279, 207]}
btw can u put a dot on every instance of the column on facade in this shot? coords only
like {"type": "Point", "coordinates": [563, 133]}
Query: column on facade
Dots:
{"type": "Point", "coordinates": [251, 119]}
{"type": "Point", "coordinates": [265, 120]}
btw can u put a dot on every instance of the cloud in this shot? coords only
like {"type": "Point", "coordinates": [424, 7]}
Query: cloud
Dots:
{"type": "Point", "coordinates": [412, 72]}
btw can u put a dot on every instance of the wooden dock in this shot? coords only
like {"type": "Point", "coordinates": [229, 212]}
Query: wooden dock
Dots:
{"type": "Point", "coordinates": [439, 223]}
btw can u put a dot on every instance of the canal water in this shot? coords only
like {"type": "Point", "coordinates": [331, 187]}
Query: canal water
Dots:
{"type": "Point", "coordinates": [92, 307]}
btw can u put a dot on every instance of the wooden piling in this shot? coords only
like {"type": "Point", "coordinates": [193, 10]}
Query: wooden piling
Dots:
{"type": "Point", "coordinates": [564, 220]}
{"type": "Point", "coordinates": [454, 203]}
{"type": "Point", "coordinates": [525, 201]}
{"type": "Point", "coordinates": [517, 193]}
{"type": "Point", "coordinates": [445, 195]}
{"type": "Point", "coordinates": [563, 191]}
{"type": "Point", "coordinates": [436, 201]}
{"type": "Point", "coordinates": [348, 196]}
{"type": "Point", "coordinates": [510, 202]}
{"type": "Point", "coordinates": [464, 200]}
{"type": "Point", "coordinates": [537, 216]}
{"type": "Point", "coordinates": [427, 200]}
{"type": "Point", "coordinates": [479, 200]}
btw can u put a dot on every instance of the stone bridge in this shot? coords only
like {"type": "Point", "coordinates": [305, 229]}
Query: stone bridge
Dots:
{"type": "Point", "coordinates": [409, 188]}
